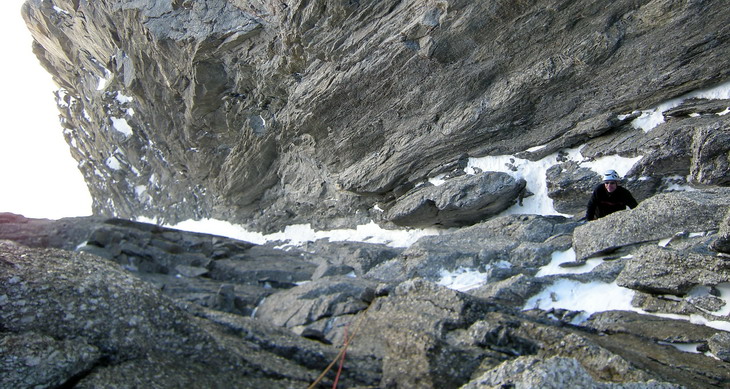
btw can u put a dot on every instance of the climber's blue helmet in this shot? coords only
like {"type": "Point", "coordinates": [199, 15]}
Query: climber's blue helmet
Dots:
{"type": "Point", "coordinates": [611, 175]}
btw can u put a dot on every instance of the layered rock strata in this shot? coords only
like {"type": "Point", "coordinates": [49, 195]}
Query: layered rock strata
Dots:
{"type": "Point", "coordinates": [271, 113]}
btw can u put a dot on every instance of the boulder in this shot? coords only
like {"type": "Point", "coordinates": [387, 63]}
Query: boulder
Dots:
{"type": "Point", "coordinates": [710, 154]}
{"type": "Point", "coordinates": [698, 107]}
{"type": "Point", "coordinates": [409, 328]}
{"type": "Point", "coordinates": [32, 360]}
{"type": "Point", "coordinates": [722, 242]}
{"type": "Point", "coordinates": [434, 337]}
{"type": "Point", "coordinates": [513, 291]}
{"type": "Point", "coordinates": [660, 270]}
{"type": "Point", "coordinates": [65, 233]}
{"type": "Point", "coordinates": [658, 329]}
{"type": "Point", "coordinates": [720, 345]}
{"type": "Point", "coordinates": [553, 373]}
{"type": "Point", "coordinates": [460, 201]}
{"type": "Point", "coordinates": [658, 217]}
{"type": "Point", "coordinates": [570, 186]}
{"type": "Point", "coordinates": [317, 305]}
{"type": "Point", "coordinates": [358, 256]}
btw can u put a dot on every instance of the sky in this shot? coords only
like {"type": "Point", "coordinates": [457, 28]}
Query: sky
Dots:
{"type": "Point", "coordinates": [39, 177]}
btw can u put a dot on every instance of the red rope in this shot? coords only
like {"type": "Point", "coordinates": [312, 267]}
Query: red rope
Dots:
{"type": "Point", "coordinates": [342, 360]}
{"type": "Point", "coordinates": [341, 355]}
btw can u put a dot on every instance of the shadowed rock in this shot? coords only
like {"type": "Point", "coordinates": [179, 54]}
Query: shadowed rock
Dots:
{"type": "Point", "coordinates": [109, 324]}
{"type": "Point", "coordinates": [459, 201]}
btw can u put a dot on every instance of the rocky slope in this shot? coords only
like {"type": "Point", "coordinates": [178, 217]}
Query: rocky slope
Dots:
{"type": "Point", "coordinates": [270, 113]}
{"type": "Point", "coordinates": [336, 113]}
{"type": "Point", "coordinates": [90, 302]}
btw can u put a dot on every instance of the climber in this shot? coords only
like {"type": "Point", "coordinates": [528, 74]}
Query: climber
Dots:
{"type": "Point", "coordinates": [609, 197]}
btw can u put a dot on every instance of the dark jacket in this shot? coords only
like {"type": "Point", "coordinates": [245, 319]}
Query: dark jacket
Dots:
{"type": "Point", "coordinates": [603, 203]}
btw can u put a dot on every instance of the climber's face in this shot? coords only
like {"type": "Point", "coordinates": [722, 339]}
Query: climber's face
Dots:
{"type": "Point", "coordinates": [610, 186]}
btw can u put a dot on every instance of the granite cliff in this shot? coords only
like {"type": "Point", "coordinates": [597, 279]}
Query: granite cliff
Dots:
{"type": "Point", "coordinates": [336, 113]}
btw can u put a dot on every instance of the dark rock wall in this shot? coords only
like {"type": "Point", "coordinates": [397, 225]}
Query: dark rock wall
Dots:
{"type": "Point", "coordinates": [274, 113]}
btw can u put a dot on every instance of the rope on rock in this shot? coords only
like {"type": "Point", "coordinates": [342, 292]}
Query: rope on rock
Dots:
{"type": "Point", "coordinates": [343, 351]}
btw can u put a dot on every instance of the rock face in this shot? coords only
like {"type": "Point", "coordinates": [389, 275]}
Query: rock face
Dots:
{"type": "Point", "coordinates": [272, 113]}
{"type": "Point", "coordinates": [77, 320]}
{"type": "Point", "coordinates": [339, 113]}
{"type": "Point", "coordinates": [136, 302]}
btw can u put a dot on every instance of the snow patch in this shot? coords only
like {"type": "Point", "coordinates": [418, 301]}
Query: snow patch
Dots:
{"type": "Point", "coordinates": [122, 99]}
{"type": "Point", "coordinates": [685, 347]}
{"type": "Point", "coordinates": [122, 126]}
{"type": "Point", "coordinates": [589, 298]}
{"type": "Point", "coordinates": [655, 116]}
{"type": "Point", "coordinates": [465, 279]}
{"type": "Point", "coordinates": [621, 165]}
{"type": "Point", "coordinates": [139, 190]}
{"type": "Point", "coordinates": [113, 163]}
{"type": "Point", "coordinates": [102, 83]}
{"type": "Point", "coordinates": [532, 172]}
{"type": "Point", "coordinates": [462, 279]}
{"type": "Point", "coordinates": [60, 10]}
{"type": "Point", "coordinates": [567, 256]}
{"type": "Point", "coordinates": [438, 180]}
{"type": "Point", "coordinates": [296, 235]}
{"type": "Point", "coordinates": [596, 296]}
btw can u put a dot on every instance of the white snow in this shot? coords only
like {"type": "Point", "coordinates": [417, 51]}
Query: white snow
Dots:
{"type": "Point", "coordinates": [102, 83]}
{"type": "Point", "coordinates": [462, 279]}
{"type": "Point", "coordinates": [618, 163]}
{"type": "Point", "coordinates": [589, 298]}
{"type": "Point", "coordinates": [532, 172]}
{"type": "Point", "coordinates": [664, 242]}
{"type": "Point", "coordinates": [724, 290]}
{"type": "Point", "coordinates": [122, 99]}
{"type": "Point", "coordinates": [465, 279]}
{"type": "Point", "coordinates": [122, 126]}
{"type": "Point", "coordinates": [438, 180]}
{"type": "Point", "coordinates": [725, 112]}
{"type": "Point", "coordinates": [60, 10]}
{"type": "Point", "coordinates": [675, 183]}
{"type": "Point", "coordinates": [139, 190]}
{"type": "Point", "coordinates": [113, 163]}
{"type": "Point", "coordinates": [598, 296]}
{"type": "Point", "coordinates": [560, 257]}
{"type": "Point", "coordinates": [686, 347]}
{"type": "Point", "coordinates": [296, 235]}
{"type": "Point", "coordinates": [655, 116]}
